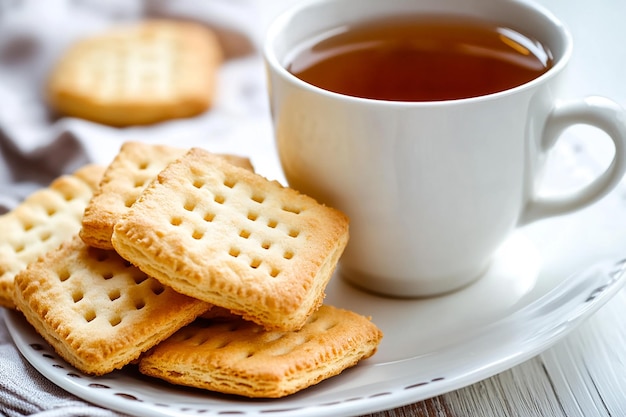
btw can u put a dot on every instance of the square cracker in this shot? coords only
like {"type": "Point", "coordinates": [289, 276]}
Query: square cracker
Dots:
{"type": "Point", "coordinates": [130, 172]}
{"type": "Point", "coordinates": [239, 357]}
{"type": "Point", "coordinates": [137, 74]}
{"type": "Point", "coordinates": [96, 310]}
{"type": "Point", "coordinates": [232, 238]}
{"type": "Point", "coordinates": [42, 222]}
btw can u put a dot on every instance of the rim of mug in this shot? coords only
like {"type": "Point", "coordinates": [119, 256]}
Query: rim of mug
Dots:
{"type": "Point", "coordinates": [277, 25]}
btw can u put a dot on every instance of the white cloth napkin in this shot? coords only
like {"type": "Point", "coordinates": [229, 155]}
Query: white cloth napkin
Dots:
{"type": "Point", "coordinates": [23, 391]}
{"type": "Point", "coordinates": [34, 149]}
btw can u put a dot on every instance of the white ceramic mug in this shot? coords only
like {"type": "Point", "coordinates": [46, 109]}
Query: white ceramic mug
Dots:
{"type": "Point", "coordinates": [431, 188]}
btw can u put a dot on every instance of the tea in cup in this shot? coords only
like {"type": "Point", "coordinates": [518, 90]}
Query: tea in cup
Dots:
{"type": "Point", "coordinates": [429, 123]}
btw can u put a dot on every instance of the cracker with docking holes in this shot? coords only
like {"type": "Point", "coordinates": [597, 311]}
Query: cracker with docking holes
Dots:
{"type": "Point", "coordinates": [96, 310]}
{"type": "Point", "coordinates": [239, 357]}
{"type": "Point", "coordinates": [138, 74]}
{"type": "Point", "coordinates": [232, 238]}
{"type": "Point", "coordinates": [42, 222]}
{"type": "Point", "coordinates": [130, 172]}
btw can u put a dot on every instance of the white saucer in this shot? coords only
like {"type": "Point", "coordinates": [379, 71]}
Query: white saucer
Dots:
{"type": "Point", "coordinates": [524, 304]}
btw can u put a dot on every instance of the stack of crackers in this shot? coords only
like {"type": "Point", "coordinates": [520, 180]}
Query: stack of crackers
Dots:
{"type": "Point", "coordinates": [189, 265]}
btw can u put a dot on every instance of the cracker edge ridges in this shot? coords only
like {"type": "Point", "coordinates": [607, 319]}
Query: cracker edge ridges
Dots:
{"type": "Point", "coordinates": [355, 340]}
{"type": "Point", "coordinates": [128, 232]}
{"type": "Point", "coordinates": [94, 358]}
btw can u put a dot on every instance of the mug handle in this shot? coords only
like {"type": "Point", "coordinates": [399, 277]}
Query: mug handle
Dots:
{"type": "Point", "coordinates": [602, 113]}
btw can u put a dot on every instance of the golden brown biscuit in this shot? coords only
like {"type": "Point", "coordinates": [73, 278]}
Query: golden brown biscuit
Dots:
{"type": "Point", "coordinates": [96, 310]}
{"type": "Point", "coordinates": [232, 238]}
{"type": "Point", "coordinates": [239, 357]}
{"type": "Point", "coordinates": [42, 222]}
{"type": "Point", "coordinates": [219, 313]}
{"type": "Point", "coordinates": [130, 172]}
{"type": "Point", "coordinates": [138, 74]}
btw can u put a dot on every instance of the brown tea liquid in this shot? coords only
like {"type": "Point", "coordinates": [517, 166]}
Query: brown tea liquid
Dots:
{"type": "Point", "coordinates": [419, 59]}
